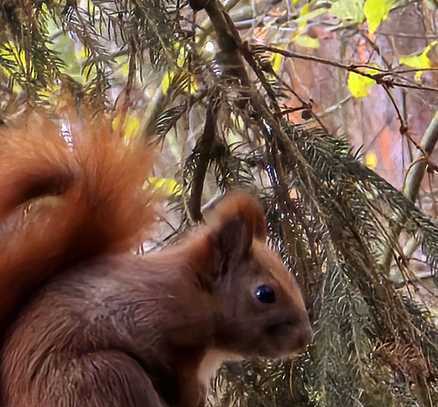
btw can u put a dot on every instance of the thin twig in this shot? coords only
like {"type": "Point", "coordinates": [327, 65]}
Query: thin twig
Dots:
{"type": "Point", "coordinates": [381, 77]}
{"type": "Point", "coordinates": [403, 126]}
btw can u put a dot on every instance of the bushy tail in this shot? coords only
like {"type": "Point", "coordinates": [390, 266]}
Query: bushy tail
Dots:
{"type": "Point", "coordinates": [61, 203]}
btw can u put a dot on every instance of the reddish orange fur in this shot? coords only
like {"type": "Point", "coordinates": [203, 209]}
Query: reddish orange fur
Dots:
{"type": "Point", "coordinates": [99, 326]}
{"type": "Point", "coordinates": [99, 205]}
{"type": "Point", "coordinates": [244, 206]}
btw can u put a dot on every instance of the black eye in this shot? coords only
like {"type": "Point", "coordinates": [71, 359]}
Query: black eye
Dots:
{"type": "Point", "coordinates": [265, 294]}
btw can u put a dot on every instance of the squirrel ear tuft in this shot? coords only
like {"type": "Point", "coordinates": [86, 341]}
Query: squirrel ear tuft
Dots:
{"type": "Point", "coordinates": [235, 222]}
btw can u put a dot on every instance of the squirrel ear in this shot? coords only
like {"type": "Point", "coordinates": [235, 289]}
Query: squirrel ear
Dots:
{"type": "Point", "coordinates": [235, 222]}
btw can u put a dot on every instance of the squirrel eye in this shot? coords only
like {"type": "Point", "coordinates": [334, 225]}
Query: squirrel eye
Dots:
{"type": "Point", "coordinates": [265, 294]}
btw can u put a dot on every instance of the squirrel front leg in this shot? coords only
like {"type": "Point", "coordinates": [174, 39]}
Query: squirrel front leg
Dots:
{"type": "Point", "coordinates": [193, 394]}
{"type": "Point", "coordinates": [98, 379]}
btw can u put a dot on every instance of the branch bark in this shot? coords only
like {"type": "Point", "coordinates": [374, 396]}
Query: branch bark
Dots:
{"type": "Point", "coordinates": [205, 147]}
{"type": "Point", "coordinates": [412, 184]}
{"type": "Point", "coordinates": [417, 170]}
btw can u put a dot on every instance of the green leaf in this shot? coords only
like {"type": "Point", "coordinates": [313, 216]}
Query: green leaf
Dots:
{"type": "Point", "coordinates": [420, 60]}
{"type": "Point", "coordinates": [431, 5]}
{"type": "Point", "coordinates": [377, 11]}
{"type": "Point", "coordinates": [306, 41]}
{"type": "Point", "coordinates": [307, 14]}
{"type": "Point", "coordinates": [65, 47]}
{"type": "Point", "coordinates": [360, 85]}
{"type": "Point", "coordinates": [348, 10]}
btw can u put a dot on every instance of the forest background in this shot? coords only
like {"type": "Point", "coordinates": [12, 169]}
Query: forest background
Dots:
{"type": "Point", "coordinates": [327, 110]}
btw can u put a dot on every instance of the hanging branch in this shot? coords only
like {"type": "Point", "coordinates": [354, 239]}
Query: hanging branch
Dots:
{"type": "Point", "coordinates": [412, 183]}
{"type": "Point", "coordinates": [204, 150]}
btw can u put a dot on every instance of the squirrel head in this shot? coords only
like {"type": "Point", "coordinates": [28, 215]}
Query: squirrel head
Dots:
{"type": "Point", "coordinates": [259, 309]}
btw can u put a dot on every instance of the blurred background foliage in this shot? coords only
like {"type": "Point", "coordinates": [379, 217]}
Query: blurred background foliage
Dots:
{"type": "Point", "coordinates": [326, 109]}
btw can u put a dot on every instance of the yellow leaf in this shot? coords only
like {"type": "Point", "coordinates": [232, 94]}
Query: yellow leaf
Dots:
{"type": "Point", "coordinates": [419, 61]}
{"type": "Point", "coordinates": [377, 11]}
{"type": "Point", "coordinates": [130, 127]}
{"type": "Point", "coordinates": [360, 85]}
{"type": "Point", "coordinates": [166, 81]}
{"type": "Point", "coordinates": [166, 186]}
{"type": "Point", "coordinates": [371, 160]}
{"type": "Point", "coordinates": [181, 59]}
{"type": "Point", "coordinates": [305, 9]}
{"type": "Point", "coordinates": [191, 85]}
{"type": "Point", "coordinates": [10, 52]}
{"type": "Point", "coordinates": [123, 64]}
{"type": "Point", "coordinates": [50, 92]}
{"type": "Point", "coordinates": [295, 2]}
{"type": "Point", "coordinates": [15, 56]}
{"type": "Point", "coordinates": [306, 41]}
{"type": "Point", "coordinates": [277, 59]}
{"type": "Point", "coordinates": [82, 54]}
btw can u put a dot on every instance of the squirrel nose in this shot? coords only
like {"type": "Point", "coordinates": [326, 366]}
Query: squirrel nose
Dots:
{"type": "Point", "coordinates": [300, 332]}
{"type": "Point", "coordinates": [305, 334]}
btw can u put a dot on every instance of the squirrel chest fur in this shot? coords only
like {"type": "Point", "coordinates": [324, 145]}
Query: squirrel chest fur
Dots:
{"type": "Point", "coordinates": [89, 324]}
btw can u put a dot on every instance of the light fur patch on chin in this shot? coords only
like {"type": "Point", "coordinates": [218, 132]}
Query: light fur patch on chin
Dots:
{"type": "Point", "coordinates": [211, 363]}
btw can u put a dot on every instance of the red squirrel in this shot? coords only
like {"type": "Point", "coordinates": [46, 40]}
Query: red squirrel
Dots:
{"type": "Point", "coordinates": [87, 323]}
